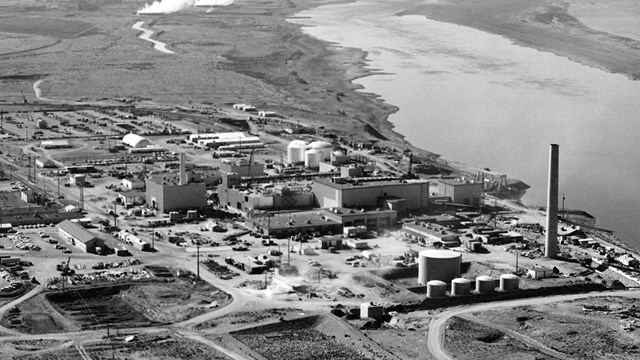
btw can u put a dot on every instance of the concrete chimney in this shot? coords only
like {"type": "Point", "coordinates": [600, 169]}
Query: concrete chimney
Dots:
{"type": "Point", "coordinates": [183, 174]}
{"type": "Point", "coordinates": [551, 241]}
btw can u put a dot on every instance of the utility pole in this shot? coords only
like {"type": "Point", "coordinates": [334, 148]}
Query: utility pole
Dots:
{"type": "Point", "coordinates": [1, 120]}
{"type": "Point", "coordinates": [58, 177]}
{"type": "Point", "coordinates": [198, 260]}
{"type": "Point", "coordinates": [563, 214]}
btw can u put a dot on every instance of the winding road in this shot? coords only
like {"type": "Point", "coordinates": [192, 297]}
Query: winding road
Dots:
{"type": "Point", "coordinates": [146, 35]}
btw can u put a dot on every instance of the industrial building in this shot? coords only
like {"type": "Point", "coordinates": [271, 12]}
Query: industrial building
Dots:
{"type": "Point", "coordinates": [55, 144]}
{"type": "Point", "coordinates": [133, 184]}
{"type": "Point", "coordinates": [430, 234]}
{"type": "Point", "coordinates": [386, 193]}
{"type": "Point", "coordinates": [371, 219]}
{"type": "Point", "coordinates": [46, 163]}
{"type": "Point", "coordinates": [264, 196]}
{"type": "Point", "coordinates": [79, 236]}
{"type": "Point", "coordinates": [32, 215]}
{"type": "Point", "coordinates": [135, 141]}
{"type": "Point", "coordinates": [461, 191]}
{"type": "Point", "coordinates": [242, 167]}
{"type": "Point", "coordinates": [226, 141]}
{"type": "Point", "coordinates": [165, 194]}
{"type": "Point", "coordinates": [288, 224]}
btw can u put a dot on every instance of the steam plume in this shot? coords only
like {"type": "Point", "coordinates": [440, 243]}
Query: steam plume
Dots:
{"type": "Point", "coordinates": [171, 6]}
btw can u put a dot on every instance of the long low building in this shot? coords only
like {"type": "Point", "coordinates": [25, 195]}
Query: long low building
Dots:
{"type": "Point", "coordinates": [79, 236]}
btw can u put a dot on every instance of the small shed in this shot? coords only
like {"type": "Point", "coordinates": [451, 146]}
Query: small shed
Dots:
{"type": "Point", "coordinates": [540, 272]}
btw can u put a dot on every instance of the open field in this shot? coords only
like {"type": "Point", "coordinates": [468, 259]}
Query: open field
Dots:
{"type": "Point", "coordinates": [311, 337]}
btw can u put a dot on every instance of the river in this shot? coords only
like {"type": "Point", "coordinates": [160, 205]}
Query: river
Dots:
{"type": "Point", "coordinates": [479, 99]}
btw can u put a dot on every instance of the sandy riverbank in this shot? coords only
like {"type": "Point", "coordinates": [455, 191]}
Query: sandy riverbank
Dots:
{"type": "Point", "coordinates": [545, 25]}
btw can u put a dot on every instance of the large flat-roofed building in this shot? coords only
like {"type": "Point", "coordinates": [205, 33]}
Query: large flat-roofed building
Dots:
{"type": "Point", "coordinates": [461, 191]}
{"type": "Point", "coordinates": [430, 234]}
{"type": "Point", "coordinates": [79, 236]}
{"type": "Point", "coordinates": [371, 219]}
{"type": "Point", "coordinates": [167, 195]}
{"type": "Point", "coordinates": [385, 193]}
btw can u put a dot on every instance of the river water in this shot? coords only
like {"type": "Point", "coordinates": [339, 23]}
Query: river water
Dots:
{"type": "Point", "coordinates": [479, 99]}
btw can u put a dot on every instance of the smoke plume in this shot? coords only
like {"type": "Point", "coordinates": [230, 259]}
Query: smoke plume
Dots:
{"type": "Point", "coordinates": [171, 6]}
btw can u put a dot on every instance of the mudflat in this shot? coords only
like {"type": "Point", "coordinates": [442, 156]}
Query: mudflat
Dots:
{"type": "Point", "coordinates": [546, 25]}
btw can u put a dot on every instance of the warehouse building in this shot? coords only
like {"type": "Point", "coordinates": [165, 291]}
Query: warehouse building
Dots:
{"type": "Point", "coordinates": [79, 236]}
{"type": "Point", "coordinates": [386, 193]}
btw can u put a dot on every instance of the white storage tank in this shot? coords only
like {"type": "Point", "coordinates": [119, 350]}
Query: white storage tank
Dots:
{"type": "Point", "coordinates": [509, 282]}
{"type": "Point", "coordinates": [312, 158]}
{"type": "Point", "coordinates": [443, 265]}
{"type": "Point", "coordinates": [325, 147]}
{"type": "Point", "coordinates": [436, 289]}
{"type": "Point", "coordinates": [485, 284]}
{"type": "Point", "coordinates": [295, 151]}
{"type": "Point", "coordinates": [460, 287]}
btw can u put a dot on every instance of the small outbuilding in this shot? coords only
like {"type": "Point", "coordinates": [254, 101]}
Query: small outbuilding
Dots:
{"type": "Point", "coordinates": [540, 272]}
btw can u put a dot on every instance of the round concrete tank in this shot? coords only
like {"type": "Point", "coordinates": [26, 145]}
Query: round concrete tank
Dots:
{"type": "Point", "coordinates": [485, 284]}
{"type": "Point", "coordinates": [325, 147]}
{"type": "Point", "coordinates": [295, 151]}
{"type": "Point", "coordinates": [312, 158]}
{"type": "Point", "coordinates": [436, 288]}
{"type": "Point", "coordinates": [509, 282]}
{"type": "Point", "coordinates": [443, 265]}
{"type": "Point", "coordinates": [460, 287]}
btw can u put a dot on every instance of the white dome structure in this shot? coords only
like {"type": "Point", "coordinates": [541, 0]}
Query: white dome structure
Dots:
{"type": "Point", "coordinates": [295, 151]}
{"type": "Point", "coordinates": [325, 147]}
{"type": "Point", "coordinates": [135, 141]}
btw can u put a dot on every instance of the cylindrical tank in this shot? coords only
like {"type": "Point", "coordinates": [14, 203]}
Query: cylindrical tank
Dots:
{"type": "Point", "coordinates": [443, 265]}
{"type": "Point", "coordinates": [460, 287]}
{"type": "Point", "coordinates": [509, 282]}
{"type": "Point", "coordinates": [436, 288]}
{"type": "Point", "coordinates": [485, 284]}
{"type": "Point", "coordinates": [325, 147]}
{"type": "Point", "coordinates": [312, 158]}
{"type": "Point", "coordinates": [295, 151]}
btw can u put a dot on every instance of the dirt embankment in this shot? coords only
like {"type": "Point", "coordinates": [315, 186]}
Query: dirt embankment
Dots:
{"type": "Point", "coordinates": [544, 25]}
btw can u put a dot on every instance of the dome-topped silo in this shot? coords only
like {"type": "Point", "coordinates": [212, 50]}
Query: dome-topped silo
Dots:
{"type": "Point", "coordinates": [295, 151]}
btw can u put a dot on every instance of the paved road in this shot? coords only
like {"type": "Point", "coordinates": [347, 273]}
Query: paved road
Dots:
{"type": "Point", "coordinates": [435, 336]}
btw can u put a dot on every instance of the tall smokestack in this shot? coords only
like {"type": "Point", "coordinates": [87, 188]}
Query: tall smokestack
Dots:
{"type": "Point", "coordinates": [183, 174]}
{"type": "Point", "coordinates": [551, 241]}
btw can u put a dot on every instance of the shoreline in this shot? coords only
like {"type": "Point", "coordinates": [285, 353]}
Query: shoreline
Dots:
{"type": "Point", "coordinates": [386, 125]}
{"type": "Point", "coordinates": [543, 26]}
